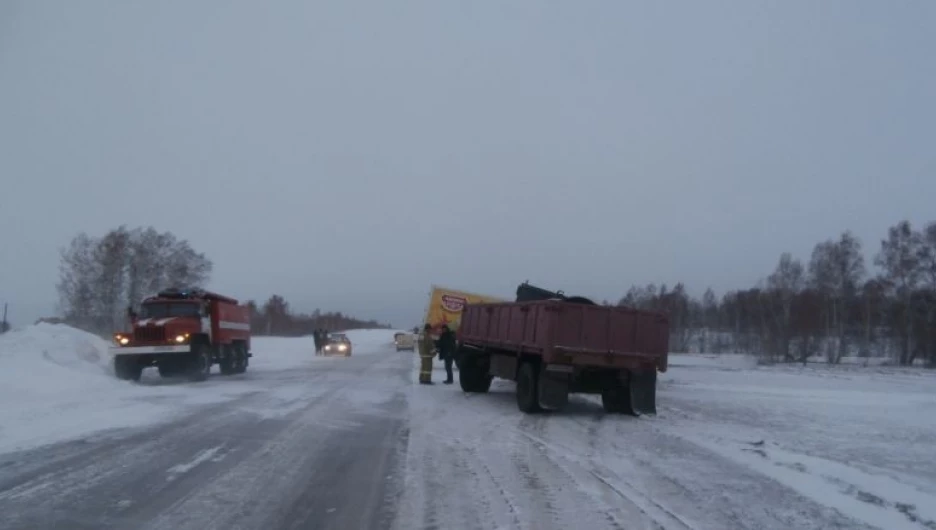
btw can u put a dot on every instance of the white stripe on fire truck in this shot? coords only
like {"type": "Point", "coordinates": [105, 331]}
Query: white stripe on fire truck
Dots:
{"type": "Point", "coordinates": [240, 326]}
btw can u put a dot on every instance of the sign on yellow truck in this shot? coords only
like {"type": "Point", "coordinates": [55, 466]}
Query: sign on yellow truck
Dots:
{"type": "Point", "coordinates": [446, 306]}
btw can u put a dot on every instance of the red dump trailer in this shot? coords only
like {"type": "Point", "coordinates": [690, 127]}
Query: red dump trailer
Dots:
{"type": "Point", "coordinates": [555, 347]}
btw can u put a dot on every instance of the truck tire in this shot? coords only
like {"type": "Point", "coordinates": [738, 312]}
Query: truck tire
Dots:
{"type": "Point", "coordinates": [642, 392]}
{"type": "Point", "coordinates": [615, 398]}
{"type": "Point", "coordinates": [240, 358]}
{"type": "Point", "coordinates": [618, 397]}
{"type": "Point", "coordinates": [199, 365]}
{"type": "Point", "coordinates": [527, 400]}
{"type": "Point", "coordinates": [472, 376]}
{"type": "Point", "coordinates": [228, 362]}
{"type": "Point", "coordinates": [170, 368]}
{"type": "Point", "coordinates": [127, 368]}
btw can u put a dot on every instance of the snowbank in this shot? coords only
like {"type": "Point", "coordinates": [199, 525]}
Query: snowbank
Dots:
{"type": "Point", "coordinates": [51, 358]}
{"type": "Point", "coordinates": [57, 382]}
{"type": "Point", "coordinates": [856, 439]}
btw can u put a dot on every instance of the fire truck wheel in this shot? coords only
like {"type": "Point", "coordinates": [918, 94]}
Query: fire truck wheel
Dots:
{"type": "Point", "coordinates": [127, 368]}
{"type": "Point", "coordinates": [229, 361]}
{"type": "Point", "coordinates": [200, 363]}
{"type": "Point", "coordinates": [169, 368]}
{"type": "Point", "coordinates": [240, 359]}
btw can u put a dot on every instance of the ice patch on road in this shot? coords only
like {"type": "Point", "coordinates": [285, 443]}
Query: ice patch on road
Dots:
{"type": "Point", "coordinates": [200, 458]}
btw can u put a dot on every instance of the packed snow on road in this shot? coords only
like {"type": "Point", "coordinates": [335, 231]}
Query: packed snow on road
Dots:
{"type": "Point", "coordinates": [320, 442]}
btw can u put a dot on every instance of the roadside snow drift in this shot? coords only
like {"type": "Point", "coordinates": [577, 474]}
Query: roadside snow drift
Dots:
{"type": "Point", "coordinates": [57, 382]}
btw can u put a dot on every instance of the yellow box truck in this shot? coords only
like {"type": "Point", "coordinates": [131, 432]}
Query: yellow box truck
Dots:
{"type": "Point", "coordinates": [446, 306]}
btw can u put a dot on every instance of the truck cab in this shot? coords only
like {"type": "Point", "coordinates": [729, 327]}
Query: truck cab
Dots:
{"type": "Point", "coordinates": [184, 332]}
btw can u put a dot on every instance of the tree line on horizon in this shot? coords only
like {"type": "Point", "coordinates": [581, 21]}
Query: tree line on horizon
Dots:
{"type": "Point", "coordinates": [831, 306]}
{"type": "Point", "coordinates": [99, 277]}
{"type": "Point", "coordinates": [275, 317]}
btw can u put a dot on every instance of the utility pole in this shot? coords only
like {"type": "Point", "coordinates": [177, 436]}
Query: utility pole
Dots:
{"type": "Point", "coordinates": [3, 323]}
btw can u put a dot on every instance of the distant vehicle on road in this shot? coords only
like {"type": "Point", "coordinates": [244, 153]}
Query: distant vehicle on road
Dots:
{"type": "Point", "coordinates": [338, 344]}
{"type": "Point", "coordinates": [553, 345]}
{"type": "Point", "coordinates": [184, 332]}
{"type": "Point", "coordinates": [404, 341]}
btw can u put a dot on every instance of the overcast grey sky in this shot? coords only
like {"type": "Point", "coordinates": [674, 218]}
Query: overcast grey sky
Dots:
{"type": "Point", "coordinates": [349, 154]}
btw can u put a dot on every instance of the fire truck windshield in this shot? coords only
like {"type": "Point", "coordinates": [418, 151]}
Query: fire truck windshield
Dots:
{"type": "Point", "coordinates": [168, 310]}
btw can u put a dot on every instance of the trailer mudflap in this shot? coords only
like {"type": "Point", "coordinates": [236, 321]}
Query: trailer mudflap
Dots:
{"type": "Point", "coordinates": [553, 388]}
{"type": "Point", "coordinates": [642, 388]}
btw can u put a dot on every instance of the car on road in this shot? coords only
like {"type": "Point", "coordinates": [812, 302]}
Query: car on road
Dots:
{"type": "Point", "coordinates": [404, 341]}
{"type": "Point", "coordinates": [338, 344]}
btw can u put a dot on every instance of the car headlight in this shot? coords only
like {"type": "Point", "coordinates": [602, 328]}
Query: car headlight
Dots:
{"type": "Point", "coordinates": [342, 347]}
{"type": "Point", "coordinates": [181, 338]}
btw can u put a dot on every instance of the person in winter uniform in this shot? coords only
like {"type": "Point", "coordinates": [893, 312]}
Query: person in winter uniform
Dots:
{"type": "Point", "coordinates": [426, 347]}
{"type": "Point", "coordinates": [447, 346]}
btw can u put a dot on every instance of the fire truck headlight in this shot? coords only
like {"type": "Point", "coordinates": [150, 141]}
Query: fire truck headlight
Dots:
{"type": "Point", "coordinates": [123, 341]}
{"type": "Point", "coordinates": [180, 338]}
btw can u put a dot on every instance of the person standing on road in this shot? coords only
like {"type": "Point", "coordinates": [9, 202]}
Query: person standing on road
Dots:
{"type": "Point", "coordinates": [426, 345]}
{"type": "Point", "coordinates": [447, 346]}
{"type": "Point", "coordinates": [317, 337]}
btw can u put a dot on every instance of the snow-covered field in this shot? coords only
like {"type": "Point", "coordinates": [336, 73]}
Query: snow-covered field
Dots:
{"type": "Point", "coordinates": [57, 383]}
{"type": "Point", "coordinates": [735, 445]}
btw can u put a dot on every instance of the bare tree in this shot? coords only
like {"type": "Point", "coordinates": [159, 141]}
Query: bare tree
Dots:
{"type": "Point", "coordinates": [709, 321]}
{"type": "Point", "coordinates": [77, 270]}
{"type": "Point", "coordinates": [836, 270]}
{"type": "Point", "coordinates": [98, 277]}
{"type": "Point", "coordinates": [110, 254]}
{"type": "Point", "coordinates": [784, 285]}
{"type": "Point", "coordinates": [276, 311]}
{"type": "Point", "coordinates": [928, 298]}
{"type": "Point", "coordinates": [899, 258]}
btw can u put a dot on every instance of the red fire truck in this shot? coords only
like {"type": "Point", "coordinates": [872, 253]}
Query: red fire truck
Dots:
{"type": "Point", "coordinates": [183, 332]}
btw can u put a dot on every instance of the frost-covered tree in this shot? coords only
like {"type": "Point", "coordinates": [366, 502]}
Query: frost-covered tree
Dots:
{"type": "Point", "coordinates": [836, 270]}
{"type": "Point", "coordinates": [899, 260]}
{"type": "Point", "coordinates": [100, 277]}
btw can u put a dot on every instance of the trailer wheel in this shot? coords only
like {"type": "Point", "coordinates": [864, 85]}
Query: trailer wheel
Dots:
{"type": "Point", "coordinates": [127, 368]}
{"type": "Point", "coordinates": [527, 400]}
{"type": "Point", "coordinates": [199, 363]}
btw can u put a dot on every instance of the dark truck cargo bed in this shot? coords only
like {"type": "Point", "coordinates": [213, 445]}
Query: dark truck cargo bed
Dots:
{"type": "Point", "coordinates": [556, 347]}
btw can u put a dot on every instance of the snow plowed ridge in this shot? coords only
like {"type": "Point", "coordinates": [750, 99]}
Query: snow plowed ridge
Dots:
{"type": "Point", "coordinates": [57, 383]}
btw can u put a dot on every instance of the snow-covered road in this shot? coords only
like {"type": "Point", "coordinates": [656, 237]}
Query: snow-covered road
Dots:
{"type": "Point", "coordinates": [311, 442]}
{"type": "Point", "coordinates": [314, 446]}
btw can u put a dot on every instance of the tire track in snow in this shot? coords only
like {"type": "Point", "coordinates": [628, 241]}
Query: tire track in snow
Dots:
{"type": "Point", "coordinates": [551, 496]}
{"type": "Point", "coordinates": [555, 451]}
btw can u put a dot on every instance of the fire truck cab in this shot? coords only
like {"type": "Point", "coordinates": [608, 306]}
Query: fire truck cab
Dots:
{"type": "Point", "coordinates": [183, 332]}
